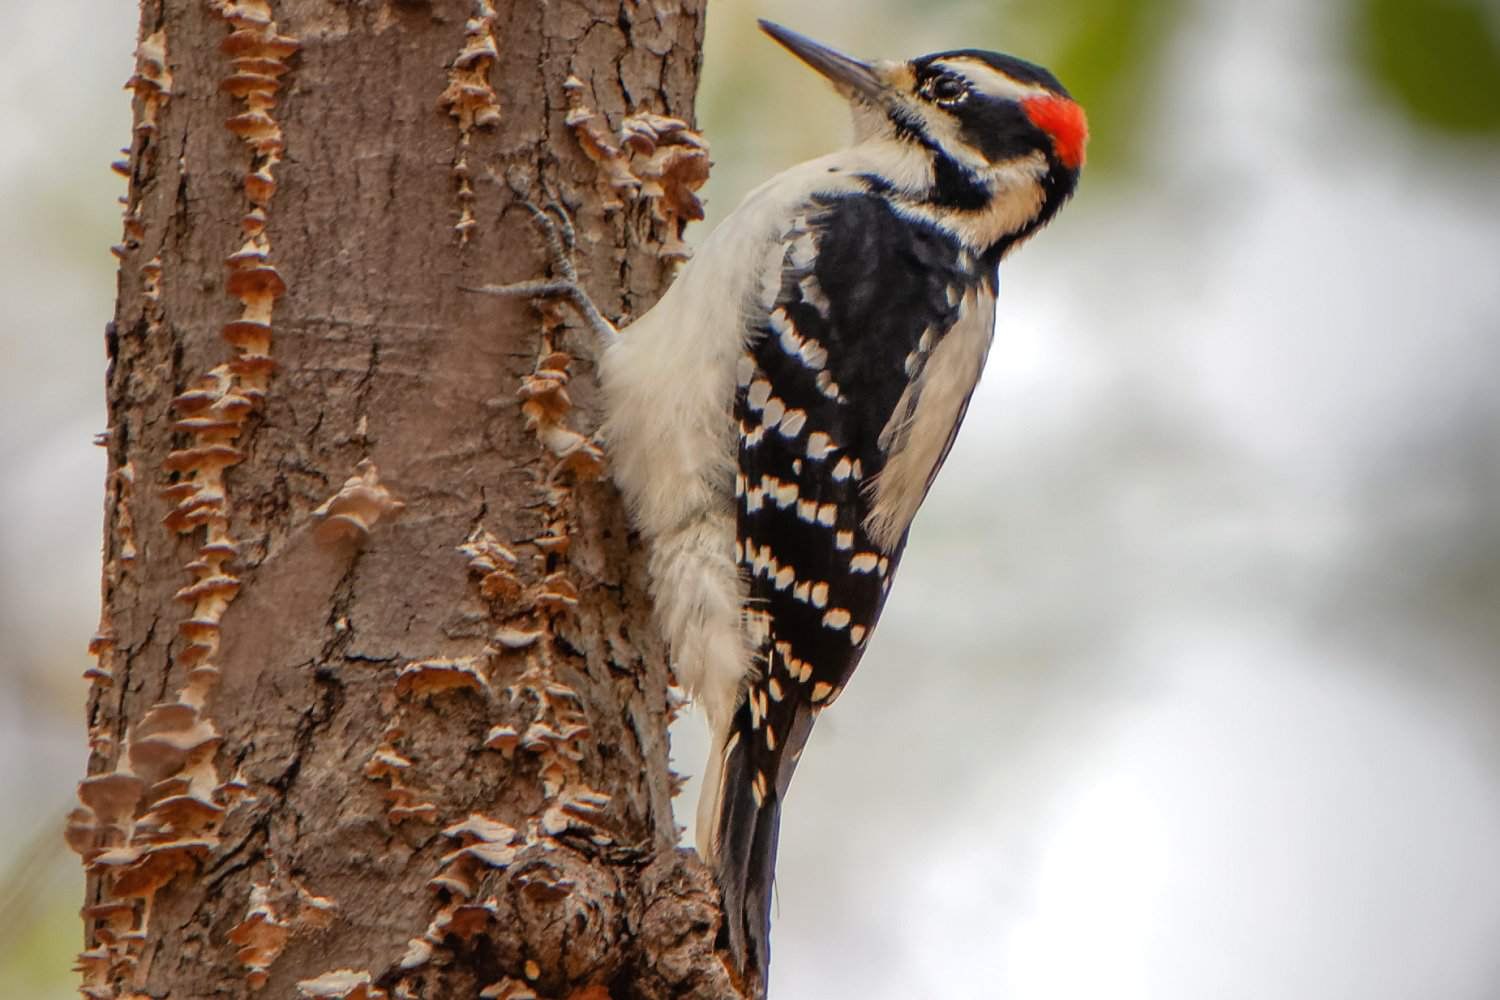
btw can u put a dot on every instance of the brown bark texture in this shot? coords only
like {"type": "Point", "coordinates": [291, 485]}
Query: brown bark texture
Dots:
{"type": "Point", "coordinates": [378, 710]}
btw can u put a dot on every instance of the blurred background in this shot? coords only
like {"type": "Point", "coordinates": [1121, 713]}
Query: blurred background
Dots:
{"type": "Point", "coordinates": [1190, 686]}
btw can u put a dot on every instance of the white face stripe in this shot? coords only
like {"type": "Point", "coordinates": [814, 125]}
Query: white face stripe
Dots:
{"type": "Point", "coordinates": [989, 80]}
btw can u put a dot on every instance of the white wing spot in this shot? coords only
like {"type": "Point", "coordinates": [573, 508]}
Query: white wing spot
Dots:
{"type": "Point", "coordinates": [818, 446]}
{"type": "Point", "coordinates": [784, 577]}
{"type": "Point", "coordinates": [786, 495]}
{"type": "Point", "coordinates": [812, 294]}
{"type": "Point", "coordinates": [857, 635]}
{"type": "Point", "coordinates": [820, 595]}
{"type": "Point", "coordinates": [814, 354]}
{"type": "Point", "coordinates": [792, 422]}
{"type": "Point", "coordinates": [807, 510]}
{"type": "Point", "coordinates": [844, 540]}
{"type": "Point", "coordinates": [826, 385]}
{"type": "Point", "coordinates": [775, 409]}
{"type": "Point", "coordinates": [790, 342]}
{"type": "Point", "coordinates": [865, 562]}
{"type": "Point", "coordinates": [758, 393]}
{"type": "Point", "coordinates": [843, 469]}
{"type": "Point", "coordinates": [774, 686]}
{"type": "Point", "coordinates": [800, 591]}
{"type": "Point", "coordinates": [836, 618]}
{"type": "Point", "coordinates": [821, 691]}
{"type": "Point", "coordinates": [827, 514]}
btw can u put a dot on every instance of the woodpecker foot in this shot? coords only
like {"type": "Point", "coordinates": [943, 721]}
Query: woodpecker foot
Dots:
{"type": "Point", "coordinates": [562, 243]}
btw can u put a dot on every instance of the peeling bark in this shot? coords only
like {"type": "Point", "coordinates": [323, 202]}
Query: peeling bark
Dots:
{"type": "Point", "coordinates": [378, 709]}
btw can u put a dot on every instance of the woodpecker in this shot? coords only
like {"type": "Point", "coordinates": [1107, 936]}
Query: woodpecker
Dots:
{"type": "Point", "coordinates": [777, 418]}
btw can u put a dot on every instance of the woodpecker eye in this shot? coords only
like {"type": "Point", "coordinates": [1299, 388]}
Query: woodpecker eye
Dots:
{"type": "Point", "coordinates": [948, 90]}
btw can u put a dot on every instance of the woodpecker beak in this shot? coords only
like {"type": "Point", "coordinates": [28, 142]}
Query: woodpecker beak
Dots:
{"type": "Point", "coordinates": [851, 76]}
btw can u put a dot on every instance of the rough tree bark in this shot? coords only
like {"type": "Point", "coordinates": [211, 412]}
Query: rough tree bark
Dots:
{"type": "Point", "coordinates": [378, 710]}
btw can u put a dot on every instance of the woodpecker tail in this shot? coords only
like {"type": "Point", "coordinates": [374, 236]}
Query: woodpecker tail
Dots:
{"type": "Point", "coordinates": [745, 859]}
{"type": "Point", "coordinates": [751, 787]}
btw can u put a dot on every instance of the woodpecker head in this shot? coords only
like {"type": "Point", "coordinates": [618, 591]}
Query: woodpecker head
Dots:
{"type": "Point", "coordinates": [1004, 140]}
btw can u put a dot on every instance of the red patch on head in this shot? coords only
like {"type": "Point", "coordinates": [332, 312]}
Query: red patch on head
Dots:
{"type": "Point", "coordinates": [1065, 122]}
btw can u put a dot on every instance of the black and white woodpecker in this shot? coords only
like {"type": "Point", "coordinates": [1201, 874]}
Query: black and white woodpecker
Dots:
{"type": "Point", "coordinates": [777, 418]}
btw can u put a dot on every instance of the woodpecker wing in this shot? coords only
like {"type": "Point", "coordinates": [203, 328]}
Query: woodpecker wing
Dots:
{"type": "Point", "coordinates": [849, 396]}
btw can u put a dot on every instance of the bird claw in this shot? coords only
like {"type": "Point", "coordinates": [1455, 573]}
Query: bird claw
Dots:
{"type": "Point", "coordinates": [556, 226]}
{"type": "Point", "coordinates": [561, 238]}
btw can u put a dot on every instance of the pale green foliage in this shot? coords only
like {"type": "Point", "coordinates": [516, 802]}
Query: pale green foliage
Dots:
{"type": "Point", "coordinates": [1436, 61]}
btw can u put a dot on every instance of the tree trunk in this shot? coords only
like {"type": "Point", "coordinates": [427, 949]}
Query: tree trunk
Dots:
{"type": "Point", "coordinates": [378, 708]}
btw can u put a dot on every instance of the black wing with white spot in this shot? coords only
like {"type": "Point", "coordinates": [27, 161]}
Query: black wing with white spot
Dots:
{"type": "Point", "coordinates": [866, 297]}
